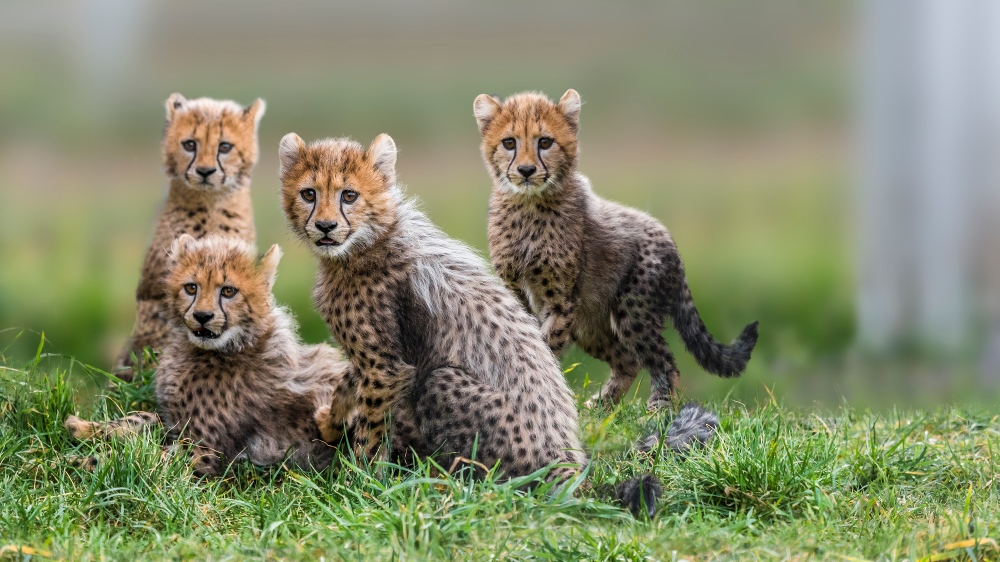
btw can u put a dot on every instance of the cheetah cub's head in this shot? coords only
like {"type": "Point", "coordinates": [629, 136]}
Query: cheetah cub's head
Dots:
{"type": "Point", "coordinates": [338, 197]}
{"type": "Point", "coordinates": [209, 144]}
{"type": "Point", "coordinates": [220, 293]}
{"type": "Point", "coordinates": [529, 142]}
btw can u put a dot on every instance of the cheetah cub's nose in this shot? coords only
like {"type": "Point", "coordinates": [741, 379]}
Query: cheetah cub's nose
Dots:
{"type": "Point", "coordinates": [205, 172]}
{"type": "Point", "coordinates": [326, 226]}
{"type": "Point", "coordinates": [203, 317]}
{"type": "Point", "coordinates": [526, 170]}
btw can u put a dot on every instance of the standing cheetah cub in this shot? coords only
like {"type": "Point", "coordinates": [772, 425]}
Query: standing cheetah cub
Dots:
{"type": "Point", "coordinates": [233, 377]}
{"type": "Point", "coordinates": [595, 272]}
{"type": "Point", "coordinates": [436, 340]}
{"type": "Point", "coordinates": [209, 150]}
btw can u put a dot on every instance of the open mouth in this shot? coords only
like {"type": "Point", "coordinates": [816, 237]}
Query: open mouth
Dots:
{"type": "Point", "coordinates": [205, 333]}
{"type": "Point", "coordinates": [324, 241]}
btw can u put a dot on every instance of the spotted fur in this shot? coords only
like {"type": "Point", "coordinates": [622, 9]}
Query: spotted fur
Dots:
{"type": "Point", "coordinates": [441, 348]}
{"type": "Point", "coordinates": [596, 273]}
{"type": "Point", "coordinates": [234, 378]}
{"type": "Point", "coordinates": [209, 150]}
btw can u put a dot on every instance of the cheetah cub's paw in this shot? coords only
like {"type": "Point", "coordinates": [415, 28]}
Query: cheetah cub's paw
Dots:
{"type": "Point", "coordinates": [80, 430]}
{"type": "Point", "coordinates": [331, 424]}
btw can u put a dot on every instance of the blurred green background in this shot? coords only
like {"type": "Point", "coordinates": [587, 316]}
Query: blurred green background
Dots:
{"type": "Point", "coordinates": [727, 121]}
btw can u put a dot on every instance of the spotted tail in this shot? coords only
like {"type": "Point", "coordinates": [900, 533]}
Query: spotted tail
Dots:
{"type": "Point", "coordinates": [715, 357]}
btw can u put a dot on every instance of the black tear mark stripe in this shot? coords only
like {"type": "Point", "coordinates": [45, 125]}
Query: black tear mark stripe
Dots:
{"type": "Point", "coordinates": [512, 159]}
{"type": "Point", "coordinates": [225, 317]}
{"type": "Point", "coordinates": [311, 211]}
{"type": "Point", "coordinates": [194, 155]}
{"type": "Point", "coordinates": [538, 151]}
{"type": "Point", "coordinates": [346, 220]}
{"type": "Point", "coordinates": [193, 301]}
{"type": "Point", "coordinates": [218, 155]}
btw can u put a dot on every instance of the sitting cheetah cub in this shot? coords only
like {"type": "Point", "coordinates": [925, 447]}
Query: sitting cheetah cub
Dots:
{"type": "Point", "coordinates": [595, 272]}
{"type": "Point", "coordinates": [209, 150]}
{"type": "Point", "coordinates": [233, 377]}
{"type": "Point", "coordinates": [436, 340]}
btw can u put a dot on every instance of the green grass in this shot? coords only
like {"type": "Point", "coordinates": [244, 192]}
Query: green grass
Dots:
{"type": "Point", "coordinates": [775, 483]}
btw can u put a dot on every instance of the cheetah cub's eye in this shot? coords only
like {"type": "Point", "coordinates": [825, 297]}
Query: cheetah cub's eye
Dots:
{"type": "Point", "coordinates": [189, 145]}
{"type": "Point", "coordinates": [190, 288]}
{"type": "Point", "coordinates": [225, 147]}
{"type": "Point", "coordinates": [308, 195]}
{"type": "Point", "coordinates": [349, 196]}
{"type": "Point", "coordinates": [229, 292]}
{"type": "Point", "coordinates": [545, 142]}
{"type": "Point", "coordinates": [509, 143]}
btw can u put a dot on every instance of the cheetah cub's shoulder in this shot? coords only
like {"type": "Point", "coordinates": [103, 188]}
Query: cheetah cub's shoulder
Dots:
{"type": "Point", "coordinates": [209, 150]}
{"type": "Point", "coordinates": [595, 272]}
{"type": "Point", "coordinates": [233, 377]}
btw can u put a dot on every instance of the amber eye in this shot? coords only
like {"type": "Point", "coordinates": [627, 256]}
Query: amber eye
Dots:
{"type": "Point", "coordinates": [225, 147]}
{"type": "Point", "coordinates": [349, 196]}
{"type": "Point", "coordinates": [308, 194]}
{"type": "Point", "coordinates": [544, 142]}
{"type": "Point", "coordinates": [509, 143]}
{"type": "Point", "coordinates": [190, 288]}
{"type": "Point", "coordinates": [189, 145]}
{"type": "Point", "coordinates": [229, 292]}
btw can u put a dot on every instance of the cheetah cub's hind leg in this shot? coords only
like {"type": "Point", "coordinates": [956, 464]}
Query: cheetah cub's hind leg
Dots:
{"type": "Point", "coordinates": [129, 425]}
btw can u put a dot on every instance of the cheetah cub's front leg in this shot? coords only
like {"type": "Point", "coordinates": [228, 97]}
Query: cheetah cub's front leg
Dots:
{"type": "Point", "coordinates": [559, 317]}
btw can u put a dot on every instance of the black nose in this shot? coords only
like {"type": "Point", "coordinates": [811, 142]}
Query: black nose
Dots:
{"type": "Point", "coordinates": [326, 226]}
{"type": "Point", "coordinates": [203, 317]}
{"type": "Point", "coordinates": [526, 170]}
{"type": "Point", "coordinates": [205, 172]}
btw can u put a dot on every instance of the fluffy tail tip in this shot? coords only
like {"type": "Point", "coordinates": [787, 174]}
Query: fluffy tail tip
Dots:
{"type": "Point", "coordinates": [639, 495]}
{"type": "Point", "coordinates": [740, 351]}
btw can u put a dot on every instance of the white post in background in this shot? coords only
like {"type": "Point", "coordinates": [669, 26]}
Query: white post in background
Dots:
{"type": "Point", "coordinates": [927, 153]}
{"type": "Point", "coordinates": [110, 36]}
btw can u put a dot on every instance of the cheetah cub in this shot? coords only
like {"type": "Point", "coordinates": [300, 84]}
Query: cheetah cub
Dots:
{"type": "Point", "coordinates": [233, 377]}
{"type": "Point", "coordinates": [596, 273]}
{"type": "Point", "coordinates": [209, 150]}
{"type": "Point", "coordinates": [436, 340]}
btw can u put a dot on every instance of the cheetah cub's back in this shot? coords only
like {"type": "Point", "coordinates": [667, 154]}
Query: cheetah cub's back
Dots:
{"type": "Point", "coordinates": [596, 273]}
{"type": "Point", "coordinates": [209, 150]}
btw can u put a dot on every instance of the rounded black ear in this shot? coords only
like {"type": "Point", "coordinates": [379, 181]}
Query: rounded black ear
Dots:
{"type": "Point", "coordinates": [485, 108]}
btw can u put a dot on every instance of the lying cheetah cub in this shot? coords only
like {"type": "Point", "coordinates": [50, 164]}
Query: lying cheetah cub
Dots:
{"type": "Point", "coordinates": [595, 272]}
{"type": "Point", "coordinates": [233, 377]}
{"type": "Point", "coordinates": [437, 341]}
{"type": "Point", "coordinates": [209, 150]}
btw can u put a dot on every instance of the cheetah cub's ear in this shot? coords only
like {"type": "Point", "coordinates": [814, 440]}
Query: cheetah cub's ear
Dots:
{"type": "Point", "coordinates": [255, 111]}
{"type": "Point", "coordinates": [289, 151]}
{"type": "Point", "coordinates": [485, 107]}
{"type": "Point", "coordinates": [269, 265]}
{"type": "Point", "coordinates": [382, 154]}
{"type": "Point", "coordinates": [182, 245]}
{"type": "Point", "coordinates": [174, 103]}
{"type": "Point", "coordinates": [569, 104]}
